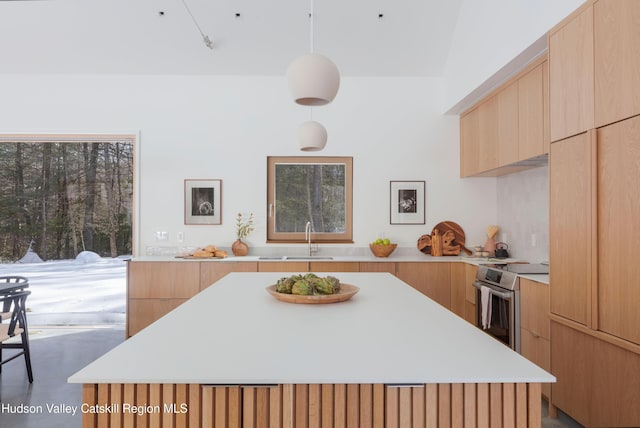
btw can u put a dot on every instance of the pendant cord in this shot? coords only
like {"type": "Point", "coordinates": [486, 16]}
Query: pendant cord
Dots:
{"type": "Point", "coordinates": [310, 27]}
{"type": "Point", "coordinates": [207, 41]}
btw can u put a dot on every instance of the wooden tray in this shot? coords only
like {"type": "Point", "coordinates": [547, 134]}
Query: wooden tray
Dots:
{"type": "Point", "coordinates": [190, 257]}
{"type": "Point", "coordinates": [347, 291]}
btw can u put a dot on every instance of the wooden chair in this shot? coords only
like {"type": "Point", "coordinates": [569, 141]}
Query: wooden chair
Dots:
{"type": "Point", "coordinates": [10, 284]}
{"type": "Point", "coordinates": [17, 326]}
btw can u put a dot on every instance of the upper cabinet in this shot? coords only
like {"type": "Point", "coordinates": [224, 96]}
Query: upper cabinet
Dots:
{"type": "Point", "coordinates": [571, 76]}
{"type": "Point", "coordinates": [617, 60]}
{"type": "Point", "coordinates": [508, 126]}
{"type": "Point", "coordinates": [531, 114]}
{"type": "Point", "coordinates": [594, 58]}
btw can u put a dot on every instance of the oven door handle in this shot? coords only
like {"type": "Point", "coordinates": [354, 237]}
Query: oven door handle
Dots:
{"type": "Point", "coordinates": [503, 294]}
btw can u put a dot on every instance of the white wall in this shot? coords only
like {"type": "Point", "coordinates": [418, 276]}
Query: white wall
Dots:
{"type": "Point", "coordinates": [225, 127]}
{"type": "Point", "coordinates": [490, 33]}
{"type": "Point", "coordinates": [523, 211]}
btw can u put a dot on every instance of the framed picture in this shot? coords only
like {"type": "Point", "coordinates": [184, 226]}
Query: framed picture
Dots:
{"type": "Point", "coordinates": [202, 201]}
{"type": "Point", "coordinates": [407, 202]}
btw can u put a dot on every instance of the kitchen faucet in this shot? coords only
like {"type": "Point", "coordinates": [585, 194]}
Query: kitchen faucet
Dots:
{"type": "Point", "coordinates": [307, 235]}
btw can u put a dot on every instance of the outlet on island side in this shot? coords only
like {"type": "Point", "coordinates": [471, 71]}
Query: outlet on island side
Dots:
{"type": "Point", "coordinates": [533, 239]}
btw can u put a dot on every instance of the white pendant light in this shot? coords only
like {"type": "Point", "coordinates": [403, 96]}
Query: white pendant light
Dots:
{"type": "Point", "coordinates": [313, 78]}
{"type": "Point", "coordinates": [312, 136]}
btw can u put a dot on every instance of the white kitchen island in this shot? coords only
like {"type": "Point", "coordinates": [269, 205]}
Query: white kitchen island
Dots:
{"type": "Point", "coordinates": [235, 356]}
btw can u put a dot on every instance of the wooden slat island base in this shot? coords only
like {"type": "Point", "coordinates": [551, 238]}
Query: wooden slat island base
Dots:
{"type": "Point", "coordinates": [312, 405]}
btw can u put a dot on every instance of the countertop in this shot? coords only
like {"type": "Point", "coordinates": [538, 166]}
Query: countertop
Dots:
{"type": "Point", "coordinates": [407, 256]}
{"type": "Point", "coordinates": [236, 333]}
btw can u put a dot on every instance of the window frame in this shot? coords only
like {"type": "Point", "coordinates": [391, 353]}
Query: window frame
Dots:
{"type": "Point", "coordinates": [345, 237]}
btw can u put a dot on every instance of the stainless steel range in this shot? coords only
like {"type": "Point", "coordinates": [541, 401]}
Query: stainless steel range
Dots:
{"type": "Point", "coordinates": [498, 304]}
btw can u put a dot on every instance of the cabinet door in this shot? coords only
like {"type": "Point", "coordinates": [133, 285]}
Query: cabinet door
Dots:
{"type": "Point", "coordinates": [617, 60]}
{"type": "Point", "coordinates": [488, 138]}
{"type": "Point", "coordinates": [179, 279]}
{"type": "Point", "coordinates": [469, 143]}
{"type": "Point", "coordinates": [389, 267]}
{"type": "Point", "coordinates": [570, 226]}
{"type": "Point", "coordinates": [283, 267]}
{"type": "Point", "coordinates": [534, 307]}
{"type": "Point", "coordinates": [571, 77]}
{"type": "Point", "coordinates": [597, 382]}
{"type": "Point", "coordinates": [531, 114]}
{"type": "Point", "coordinates": [334, 267]}
{"type": "Point", "coordinates": [142, 312]}
{"type": "Point", "coordinates": [431, 279]}
{"type": "Point", "coordinates": [212, 271]}
{"type": "Point", "coordinates": [507, 100]}
{"type": "Point", "coordinates": [458, 289]}
{"type": "Point", "coordinates": [619, 229]}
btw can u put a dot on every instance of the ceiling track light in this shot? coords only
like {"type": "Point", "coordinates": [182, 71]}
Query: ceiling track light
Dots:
{"type": "Point", "coordinates": [205, 38]}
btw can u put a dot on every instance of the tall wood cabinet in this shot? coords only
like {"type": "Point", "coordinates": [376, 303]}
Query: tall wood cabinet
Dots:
{"type": "Point", "coordinates": [571, 76]}
{"type": "Point", "coordinates": [570, 225]}
{"type": "Point", "coordinates": [594, 57]}
{"type": "Point", "coordinates": [617, 60]}
{"type": "Point", "coordinates": [594, 209]}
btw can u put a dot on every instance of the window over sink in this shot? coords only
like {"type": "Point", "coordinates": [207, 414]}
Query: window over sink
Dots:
{"type": "Point", "coordinates": [309, 189]}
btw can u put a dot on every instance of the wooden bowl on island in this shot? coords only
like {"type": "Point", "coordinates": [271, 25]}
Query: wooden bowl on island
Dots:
{"type": "Point", "coordinates": [381, 250]}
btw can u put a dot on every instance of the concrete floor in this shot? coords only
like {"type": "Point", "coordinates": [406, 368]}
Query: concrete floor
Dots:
{"type": "Point", "coordinates": [57, 353]}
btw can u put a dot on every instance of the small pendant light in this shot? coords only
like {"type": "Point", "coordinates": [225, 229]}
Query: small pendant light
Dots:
{"type": "Point", "coordinates": [313, 78]}
{"type": "Point", "coordinates": [312, 136]}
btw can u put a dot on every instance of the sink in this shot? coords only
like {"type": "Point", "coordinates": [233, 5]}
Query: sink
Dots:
{"type": "Point", "coordinates": [307, 258]}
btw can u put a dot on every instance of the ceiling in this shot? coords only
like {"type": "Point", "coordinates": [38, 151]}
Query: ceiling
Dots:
{"type": "Point", "coordinates": [412, 38]}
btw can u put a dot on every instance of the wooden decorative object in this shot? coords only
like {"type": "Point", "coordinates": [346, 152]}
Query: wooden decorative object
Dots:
{"type": "Point", "coordinates": [347, 291]}
{"type": "Point", "coordinates": [424, 244]}
{"type": "Point", "coordinates": [436, 243]}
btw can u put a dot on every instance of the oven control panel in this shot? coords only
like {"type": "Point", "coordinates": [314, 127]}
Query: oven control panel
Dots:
{"type": "Point", "coordinates": [499, 277]}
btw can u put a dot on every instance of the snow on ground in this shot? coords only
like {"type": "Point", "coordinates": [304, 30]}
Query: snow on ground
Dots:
{"type": "Point", "coordinates": [70, 292]}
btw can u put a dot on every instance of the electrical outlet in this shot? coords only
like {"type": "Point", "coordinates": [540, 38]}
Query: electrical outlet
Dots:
{"type": "Point", "coordinates": [162, 236]}
{"type": "Point", "coordinates": [533, 239]}
{"type": "Point", "coordinates": [180, 237]}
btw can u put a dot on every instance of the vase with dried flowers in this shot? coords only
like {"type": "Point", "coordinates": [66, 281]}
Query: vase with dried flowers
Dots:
{"type": "Point", "coordinates": [243, 229]}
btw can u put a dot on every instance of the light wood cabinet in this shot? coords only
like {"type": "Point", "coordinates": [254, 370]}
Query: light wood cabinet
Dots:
{"type": "Point", "coordinates": [283, 267]}
{"type": "Point", "coordinates": [597, 382]}
{"type": "Point", "coordinates": [508, 126]}
{"type": "Point", "coordinates": [617, 60]}
{"type": "Point", "coordinates": [177, 279]}
{"type": "Point", "coordinates": [530, 124]}
{"type": "Point", "coordinates": [571, 76]}
{"type": "Point", "coordinates": [508, 113]}
{"type": "Point", "coordinates": [334, 267]}
{"type": "Point", "coordinates": [211, 272]}
{"type": "Point", "coordinates": [535, 330]}
{"type": "Point", "coordinates": [469, 143]}
{"type": "Point", "coordinates": [432, 279]}
{"type": "Point", "coordinates": [618, 214]}
{"type": "Point", "coordinates": [389, 267]}
{"type": "Point", "coordinates": [488, 135]}
{"type": "Point", "coordinates": [458, 289]}
{"type": "Point", "coordinates": [570, 225]}
{"type": "Point", "coordinates": [143, 312]}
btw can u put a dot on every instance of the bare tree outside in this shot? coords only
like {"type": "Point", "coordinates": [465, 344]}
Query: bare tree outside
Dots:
{"type": "Point", "coordinates": [66, 197]}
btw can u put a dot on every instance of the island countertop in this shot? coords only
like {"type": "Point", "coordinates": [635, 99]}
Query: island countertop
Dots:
{"type": "Point", "coordinates": [234, 332]}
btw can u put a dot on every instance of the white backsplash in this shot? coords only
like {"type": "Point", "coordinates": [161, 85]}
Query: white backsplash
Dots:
{"type": "Point", "coordinates": [523, 211]}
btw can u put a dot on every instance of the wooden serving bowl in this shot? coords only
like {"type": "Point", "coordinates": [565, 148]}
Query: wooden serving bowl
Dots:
{"type": "Point", "coordinates": [381, 250]}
